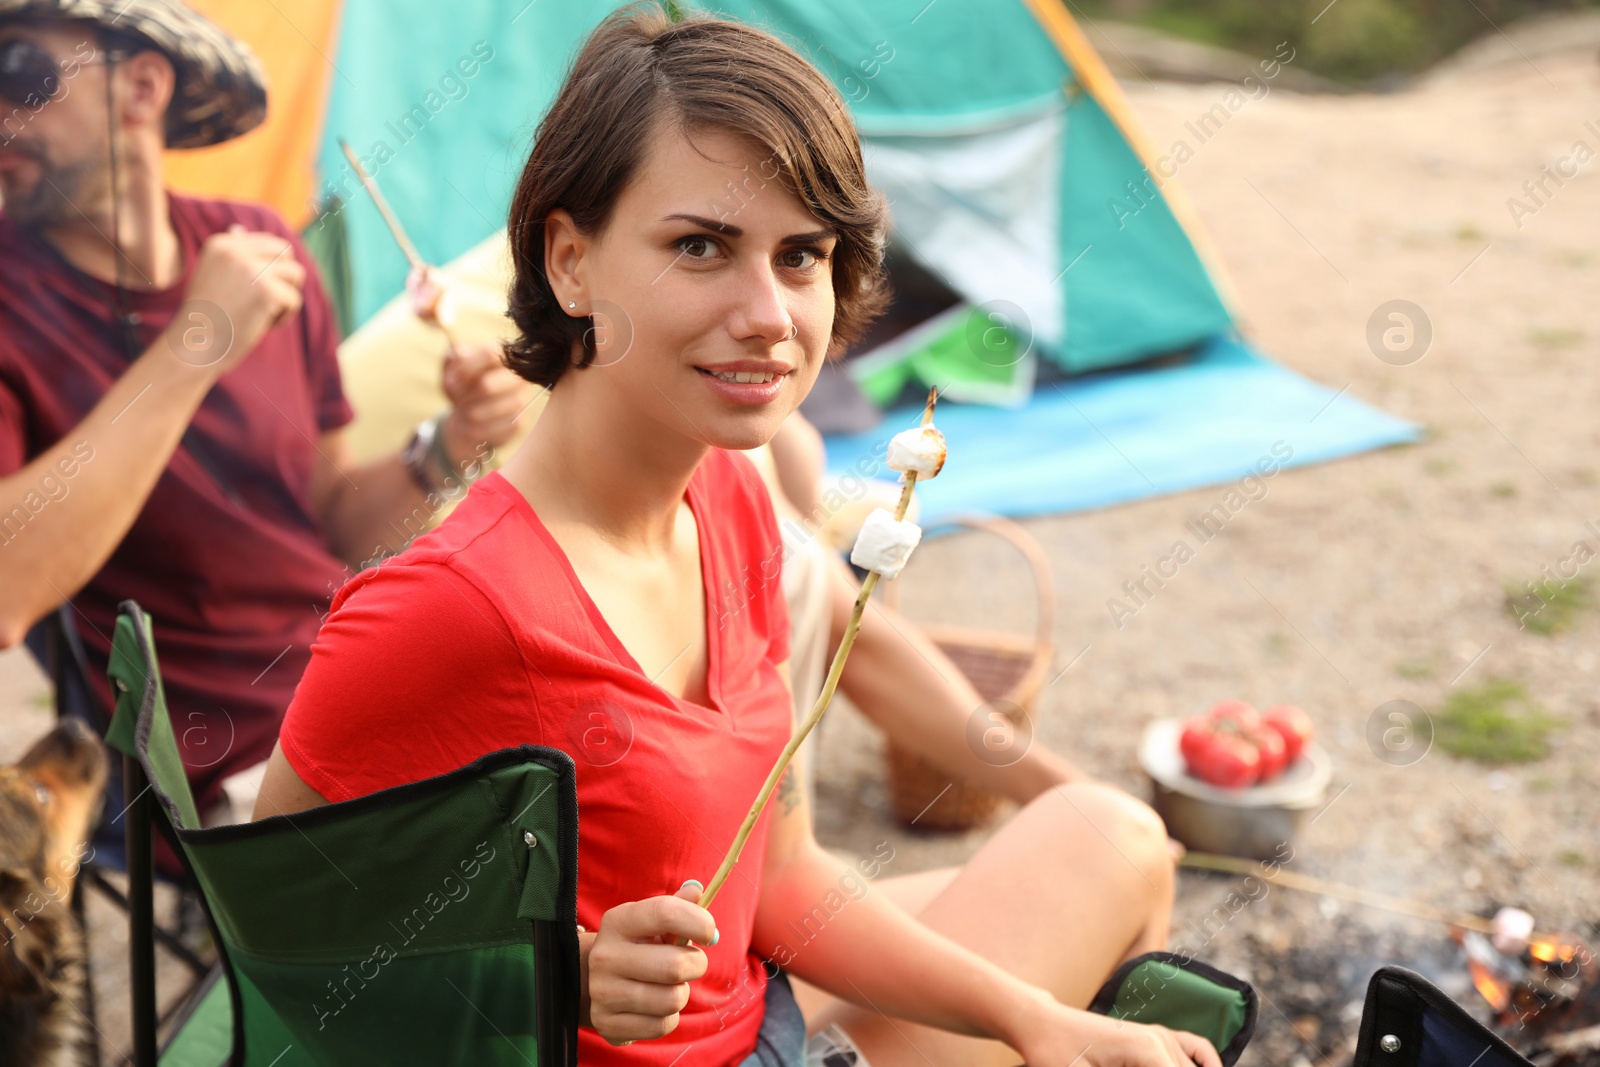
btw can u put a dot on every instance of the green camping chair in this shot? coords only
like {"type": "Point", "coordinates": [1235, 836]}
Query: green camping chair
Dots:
{"type": "Point", "coordinates": [1179, 992]}
{"type": "Point", "coordinates": [431, 923]}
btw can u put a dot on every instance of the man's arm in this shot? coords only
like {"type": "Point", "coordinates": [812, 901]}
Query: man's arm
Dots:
{"type": "Point", "coordinates": [120, 449]}
{"type": "Point", "coordinates": [374, 509]}
{"type": "Point", "coordinates": [368, 510]}
{"type": "Point", "coordinates": [115, 456]}
{"type": "Point", "coordinates": [800, 460]}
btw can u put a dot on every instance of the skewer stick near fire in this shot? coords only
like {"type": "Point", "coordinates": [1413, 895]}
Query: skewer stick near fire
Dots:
{"type": "Point", "coordinates": [883, 546]}
{"type": "Point", "coordinates": [1293, 880]}
{"type": "Point", "coordinates": [429, 298]}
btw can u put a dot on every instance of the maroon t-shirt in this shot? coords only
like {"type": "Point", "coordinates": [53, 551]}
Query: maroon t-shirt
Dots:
{"type": "Point", "coordinates": [227, 555]}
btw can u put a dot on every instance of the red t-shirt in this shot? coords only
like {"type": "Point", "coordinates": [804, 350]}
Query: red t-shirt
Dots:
{"type": "Point", "coordinates": [235, 591]}
{"type": "Point", "coordinates": [480, 637]}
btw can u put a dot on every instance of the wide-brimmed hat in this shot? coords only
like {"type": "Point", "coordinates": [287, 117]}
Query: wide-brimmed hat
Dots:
{"type": "Point", "coordinates": [221, 89]}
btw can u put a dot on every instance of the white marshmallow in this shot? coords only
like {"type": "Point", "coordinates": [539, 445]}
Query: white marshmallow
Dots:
{"type": "Point", "coordinates": [431, 298]}
{"type": "Point", "coordinates": [1513, 928]}
{"type": "Point", "coordinates": [921, 449]}
{"type": "Point", "coordinates": [885, 543]}
{"type": "Point", "coordinates": [444, 310]}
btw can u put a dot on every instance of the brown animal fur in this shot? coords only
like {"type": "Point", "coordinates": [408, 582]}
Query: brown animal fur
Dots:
{"type": "Point", "coordinates": [47, 805]}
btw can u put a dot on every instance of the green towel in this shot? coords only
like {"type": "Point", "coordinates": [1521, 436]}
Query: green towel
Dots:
{"type": "Point", "coordinates": [970, 354]}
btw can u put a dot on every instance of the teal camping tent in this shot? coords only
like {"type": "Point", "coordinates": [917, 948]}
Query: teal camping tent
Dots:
{"type": "Point", "coordinates": [1013, 178]}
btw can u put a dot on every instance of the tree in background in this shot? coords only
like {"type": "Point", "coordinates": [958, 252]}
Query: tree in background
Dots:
{"type": "Point", "coordinates": [1352, 41]}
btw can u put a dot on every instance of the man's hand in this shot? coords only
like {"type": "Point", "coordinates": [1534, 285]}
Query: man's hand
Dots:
{"type": "Point", "coordinates": [638, 977]}
{"type": "Point", "coordinates": [243, 284]}
{"type": "Point", "coordinates": [488, 401]}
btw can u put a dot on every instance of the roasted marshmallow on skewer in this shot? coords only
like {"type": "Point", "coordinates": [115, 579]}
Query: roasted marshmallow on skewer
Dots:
{"type": "Point", "coordinates": [885, 543]}
{"type": "Point", "coordinates": [1513, 929]}
{"type": "Point", "coordinates": [431, 299]}
{"type": "Point", "coordinates": [921, 449]}
{"type": "Point", "coordinates": [882, 547]}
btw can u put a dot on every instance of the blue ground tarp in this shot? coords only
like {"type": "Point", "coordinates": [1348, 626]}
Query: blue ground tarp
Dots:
{"type": "Point", "coordinates": [1129, 434]}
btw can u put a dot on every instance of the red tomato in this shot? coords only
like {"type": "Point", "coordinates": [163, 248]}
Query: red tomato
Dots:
{"type": "Point", "coordinates": [1195, 736]}
{"type": "Point", "coordinates": [1237, 711]}
{"type": "Point", "coordinates": [1219, 754]}
{"type": "Point", "coordinates": [1274, 752]}
{"type": "Point", "coordinates": [1295, 726]}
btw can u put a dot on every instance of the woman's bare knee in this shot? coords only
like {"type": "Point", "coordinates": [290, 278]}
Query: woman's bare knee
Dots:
{"type": "Point", "coordinates": [1127, 824]}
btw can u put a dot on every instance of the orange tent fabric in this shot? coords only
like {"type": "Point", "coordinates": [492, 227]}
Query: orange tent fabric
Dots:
{"type": "Point", "coordinates": [275, 163]}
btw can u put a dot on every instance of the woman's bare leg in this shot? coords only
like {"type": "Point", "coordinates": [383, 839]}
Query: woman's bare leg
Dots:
{"type": "Point", "coordinates": [1079, 880]}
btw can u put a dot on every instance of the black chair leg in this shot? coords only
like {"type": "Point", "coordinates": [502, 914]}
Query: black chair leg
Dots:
{"type": "Point", "coordinates": [141, 912]}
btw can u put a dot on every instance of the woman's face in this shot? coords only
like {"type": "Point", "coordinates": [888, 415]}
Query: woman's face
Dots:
{"type": "Point", "coordinates": [709, 271]}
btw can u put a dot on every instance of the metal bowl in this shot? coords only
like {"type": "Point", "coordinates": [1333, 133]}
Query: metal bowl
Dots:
{"type": "Point", "coordinates": [1253, 822]}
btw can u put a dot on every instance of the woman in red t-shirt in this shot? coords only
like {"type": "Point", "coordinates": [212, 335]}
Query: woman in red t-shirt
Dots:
{"type": "Point", "coordinates": [692, 235]}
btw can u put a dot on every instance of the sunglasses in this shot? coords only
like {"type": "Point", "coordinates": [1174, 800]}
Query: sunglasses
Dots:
{"type": "Point", "coordinates": [29, 75]}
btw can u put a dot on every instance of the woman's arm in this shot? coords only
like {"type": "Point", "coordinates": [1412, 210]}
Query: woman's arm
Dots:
{"type": "Point", "coordinates": [283, 792]}
{"type": "Point", "coordinates": [869, 950]}
{"type": "Point", "coordinates": [875, 955]}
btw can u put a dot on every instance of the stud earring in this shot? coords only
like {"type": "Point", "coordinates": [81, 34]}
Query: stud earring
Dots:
{"type": "Point", "coordinates": [572, 303]}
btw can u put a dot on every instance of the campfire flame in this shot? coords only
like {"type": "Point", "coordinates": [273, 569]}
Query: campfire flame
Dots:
{"type": "Point", "coordinates": [1551, 949]}
{"type": "Point", "coordinates": [1541, 986]}
{"type": "Point", "coordinates": [1496, 990]}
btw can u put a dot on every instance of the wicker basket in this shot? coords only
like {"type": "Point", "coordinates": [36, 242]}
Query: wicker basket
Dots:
{"type": "Point", "coordinates": [1006, 668]}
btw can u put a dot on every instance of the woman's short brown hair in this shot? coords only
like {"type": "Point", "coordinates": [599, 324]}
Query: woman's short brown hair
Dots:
{"type": "Point", "coordinates": [640, 68]}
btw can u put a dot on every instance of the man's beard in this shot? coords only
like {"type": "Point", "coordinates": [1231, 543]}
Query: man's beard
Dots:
{"type": "Point", "coordinates": [63, 194]}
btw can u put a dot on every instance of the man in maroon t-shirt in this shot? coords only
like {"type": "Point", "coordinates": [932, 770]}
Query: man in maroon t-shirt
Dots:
{"type": "Point", "coordinates": [170, 404]}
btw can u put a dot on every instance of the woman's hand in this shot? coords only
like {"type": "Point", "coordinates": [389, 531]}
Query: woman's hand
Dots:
{"type": "Point", "coordinates": [1055, 1036]}
{"type": "Point", "coordinates": [638, 978]}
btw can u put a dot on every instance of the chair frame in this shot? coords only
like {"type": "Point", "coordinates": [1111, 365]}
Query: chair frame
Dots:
{"type": "Point", "coordinates": [554, 941]}
{"type": "Point", "coordinates": [57, 647]}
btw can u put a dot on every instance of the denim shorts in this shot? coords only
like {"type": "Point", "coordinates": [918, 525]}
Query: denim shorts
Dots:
{"type": "Point", "coordinates": [782, 1041]}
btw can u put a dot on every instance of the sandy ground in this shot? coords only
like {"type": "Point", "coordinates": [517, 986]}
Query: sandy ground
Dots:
{"type": "Point", "coordinates": [1375, 578]}
{"type": "Point", "coordinates": [1350, 584]}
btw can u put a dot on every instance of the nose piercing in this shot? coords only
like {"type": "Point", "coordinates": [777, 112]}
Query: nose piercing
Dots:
{"type": "Point", "coordinates": [794, 331]}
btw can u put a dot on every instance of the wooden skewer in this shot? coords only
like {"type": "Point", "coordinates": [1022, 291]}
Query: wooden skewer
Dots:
{"type": "Point", "coordinates": [409, 249]}
{"type": "Point", "coordinates": [413, 257]}
{"type": "Point", "coordinates": [823, 699]}
{"type": "Point", "coordinates": [1294, 880]}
